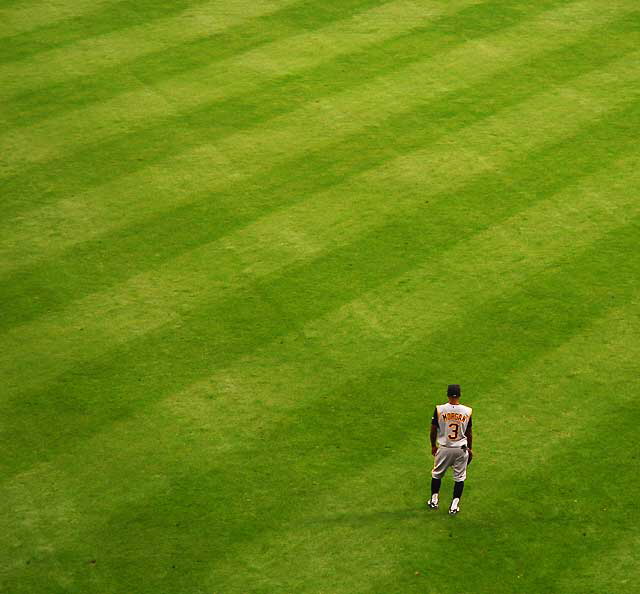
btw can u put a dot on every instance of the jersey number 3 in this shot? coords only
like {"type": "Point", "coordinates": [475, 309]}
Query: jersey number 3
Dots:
{"type": "Point", "coordinates": [454, 430]}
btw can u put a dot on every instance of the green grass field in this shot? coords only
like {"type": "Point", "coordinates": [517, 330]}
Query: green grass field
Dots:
{"type": "Point", "coordinates": [244, 247]}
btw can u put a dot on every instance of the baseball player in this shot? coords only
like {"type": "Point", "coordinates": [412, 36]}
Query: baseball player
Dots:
{"type": "Point", "coordinates": [451, 425]}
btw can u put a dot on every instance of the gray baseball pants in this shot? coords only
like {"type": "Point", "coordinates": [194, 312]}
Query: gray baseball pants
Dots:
{"type": "Point", "coordinates": [445, 457]}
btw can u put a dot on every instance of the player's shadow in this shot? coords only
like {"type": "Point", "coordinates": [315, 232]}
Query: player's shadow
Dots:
{"type": "Point", "coordinates": [367, 517]}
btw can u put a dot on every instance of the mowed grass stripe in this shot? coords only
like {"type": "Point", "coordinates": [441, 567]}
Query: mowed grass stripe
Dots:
{"type": "Point", "coordinates": [349, 423]}
{"type": "Point", "coordinates": [320, 514]}
{"type": "Point", "coordinates": [114, 17]}
{"type": "Point", "coordinates": [381, 320]}
{"type": "Point", "coordinates": [48, 139]}
{"type": "Point", "coordinates": [552, 488]}
{"type": "Point", "coordinates": [20, 17]}
{"type": "Point", "coordinates": [45, 287]}
{"type": "Point", "coordinates": [302, 232]}
{"type": "Point", "coordinates": [256, 393]}
{"type": "Point", "coordinates": [254, 307]}
{"type": "Point", "coordinates": [391, 488]}
{"type": "Point", "coordinates": [245, 512]}
{"type": "Point", "coordinates": [135, 151]}
{"type": "Point", "coordinates": [26, 108]}
{"type": "Point", "coordinates": [130, 153]}
{"type": "Point", "coordinates": [469, 22]}
{"type": "Point", "coordinates": [84, 482]}
{"type": "Point", "coordinates": [215, 167]}
{"type": "Point", "coordinates": [404, 245]}
{"type": "Point", "coordinates": [383, 316]}
{"type": "Point", "coordinates": [301, 38]}
{"type": "Point", "coordinates": [135, 109]}
{"type": "Point", "coordinates": [92, 53]}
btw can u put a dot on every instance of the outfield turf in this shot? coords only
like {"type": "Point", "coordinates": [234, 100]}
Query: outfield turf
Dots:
{"type": "Point", "coordinates": [244, 247]}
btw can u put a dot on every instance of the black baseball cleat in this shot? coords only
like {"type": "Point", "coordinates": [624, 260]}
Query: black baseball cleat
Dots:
{"type": "Point", "coordinates": [453, 511]}
{"type": "Point", "coordinates": [432, 505]}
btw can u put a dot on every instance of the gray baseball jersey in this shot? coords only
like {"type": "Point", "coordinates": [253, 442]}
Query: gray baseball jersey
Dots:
{"type": "Point", "coordinates": [453, 422]}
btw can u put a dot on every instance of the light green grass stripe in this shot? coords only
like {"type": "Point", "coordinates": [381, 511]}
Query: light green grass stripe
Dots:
{"type": "Point", "coordinates": [428, 297]}
{"type": "Point", "coordinates": [271, 306]}
{"type": "Point", "coordinates": [268, 59]}
{"type": "Point", "coordinates": [73, 93]}
{"type": "Point", "coordinates": [325, 552]}
{"type": "Point", "coordinates": [383, 319]}
{"type": "Point", "coordinates": [601, 350]}
{"type": "Point", "coordinates": [50, 229]}
{"type": "Point", "coordinates": [51, 138]}
{"type": "Point", "coordinates": [565, 399]}
{"type": "Point", "coordinates": [175, 233]}
{"type": "Point", "coordinates": [242, 74]}
{"type": "Point", "coordinates": [34, 352]}
{"type": "Point", "coordinates": [90, 55]}
{"type": "Point", "coordinates": [246, 395]}
{"type": "Point", "coordinates": [27, 16]}
{"type": "Point", "coordinates": [124, 14]}
{"type": "Point", "coordinates": [528, 421]}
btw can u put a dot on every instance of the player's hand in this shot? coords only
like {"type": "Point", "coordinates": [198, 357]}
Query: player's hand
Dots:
{"type": "Point", "coordinates": [434, 450]}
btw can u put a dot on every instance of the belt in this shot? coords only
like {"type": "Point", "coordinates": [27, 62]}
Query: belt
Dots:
{"type": "Point", "coordinates": [463, 447]}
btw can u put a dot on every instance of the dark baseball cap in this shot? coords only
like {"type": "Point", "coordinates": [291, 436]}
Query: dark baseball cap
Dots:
{"type": "Point", "coordinates": [453, 390]}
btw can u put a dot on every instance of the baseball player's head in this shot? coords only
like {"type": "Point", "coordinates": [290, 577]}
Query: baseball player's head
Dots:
{"type": "Point", "coordinates": [453, 392]}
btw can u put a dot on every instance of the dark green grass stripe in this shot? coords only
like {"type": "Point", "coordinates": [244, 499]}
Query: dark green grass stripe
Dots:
{"type": "Point", "coordinates": [208, 512]}
{"type": "Point", "coordinates": [108, 19]}
{"type": "Point", "coordinates": [563, 494]}
{"type": "Point", "coordinates": [289, 20]}
{"type": "Point", "coordinates": [159, 66]}
{"type": "Point", "coordinates": [563, 497]}
{"type": "Point", "coordinates": [119, 325]}
{"type": "Point", "coordinates": [521, 513]}
{"type": "Point", "coordinates": [8, 4]}
{"type": "Point", "coordinates": [98, 163]}
{"type": "Point", "coordinates": [44, 287]}
{"type": "Point", "coordinates": [473, 21]}
{"type": "Point", "coordinates": [365, 427]}
{"type": "Point", "coordinates": [111, 211]}
{"type": "Point", "coordinates": [176, 60]}
{"type": "Point", "coordinates": [145, 369]}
